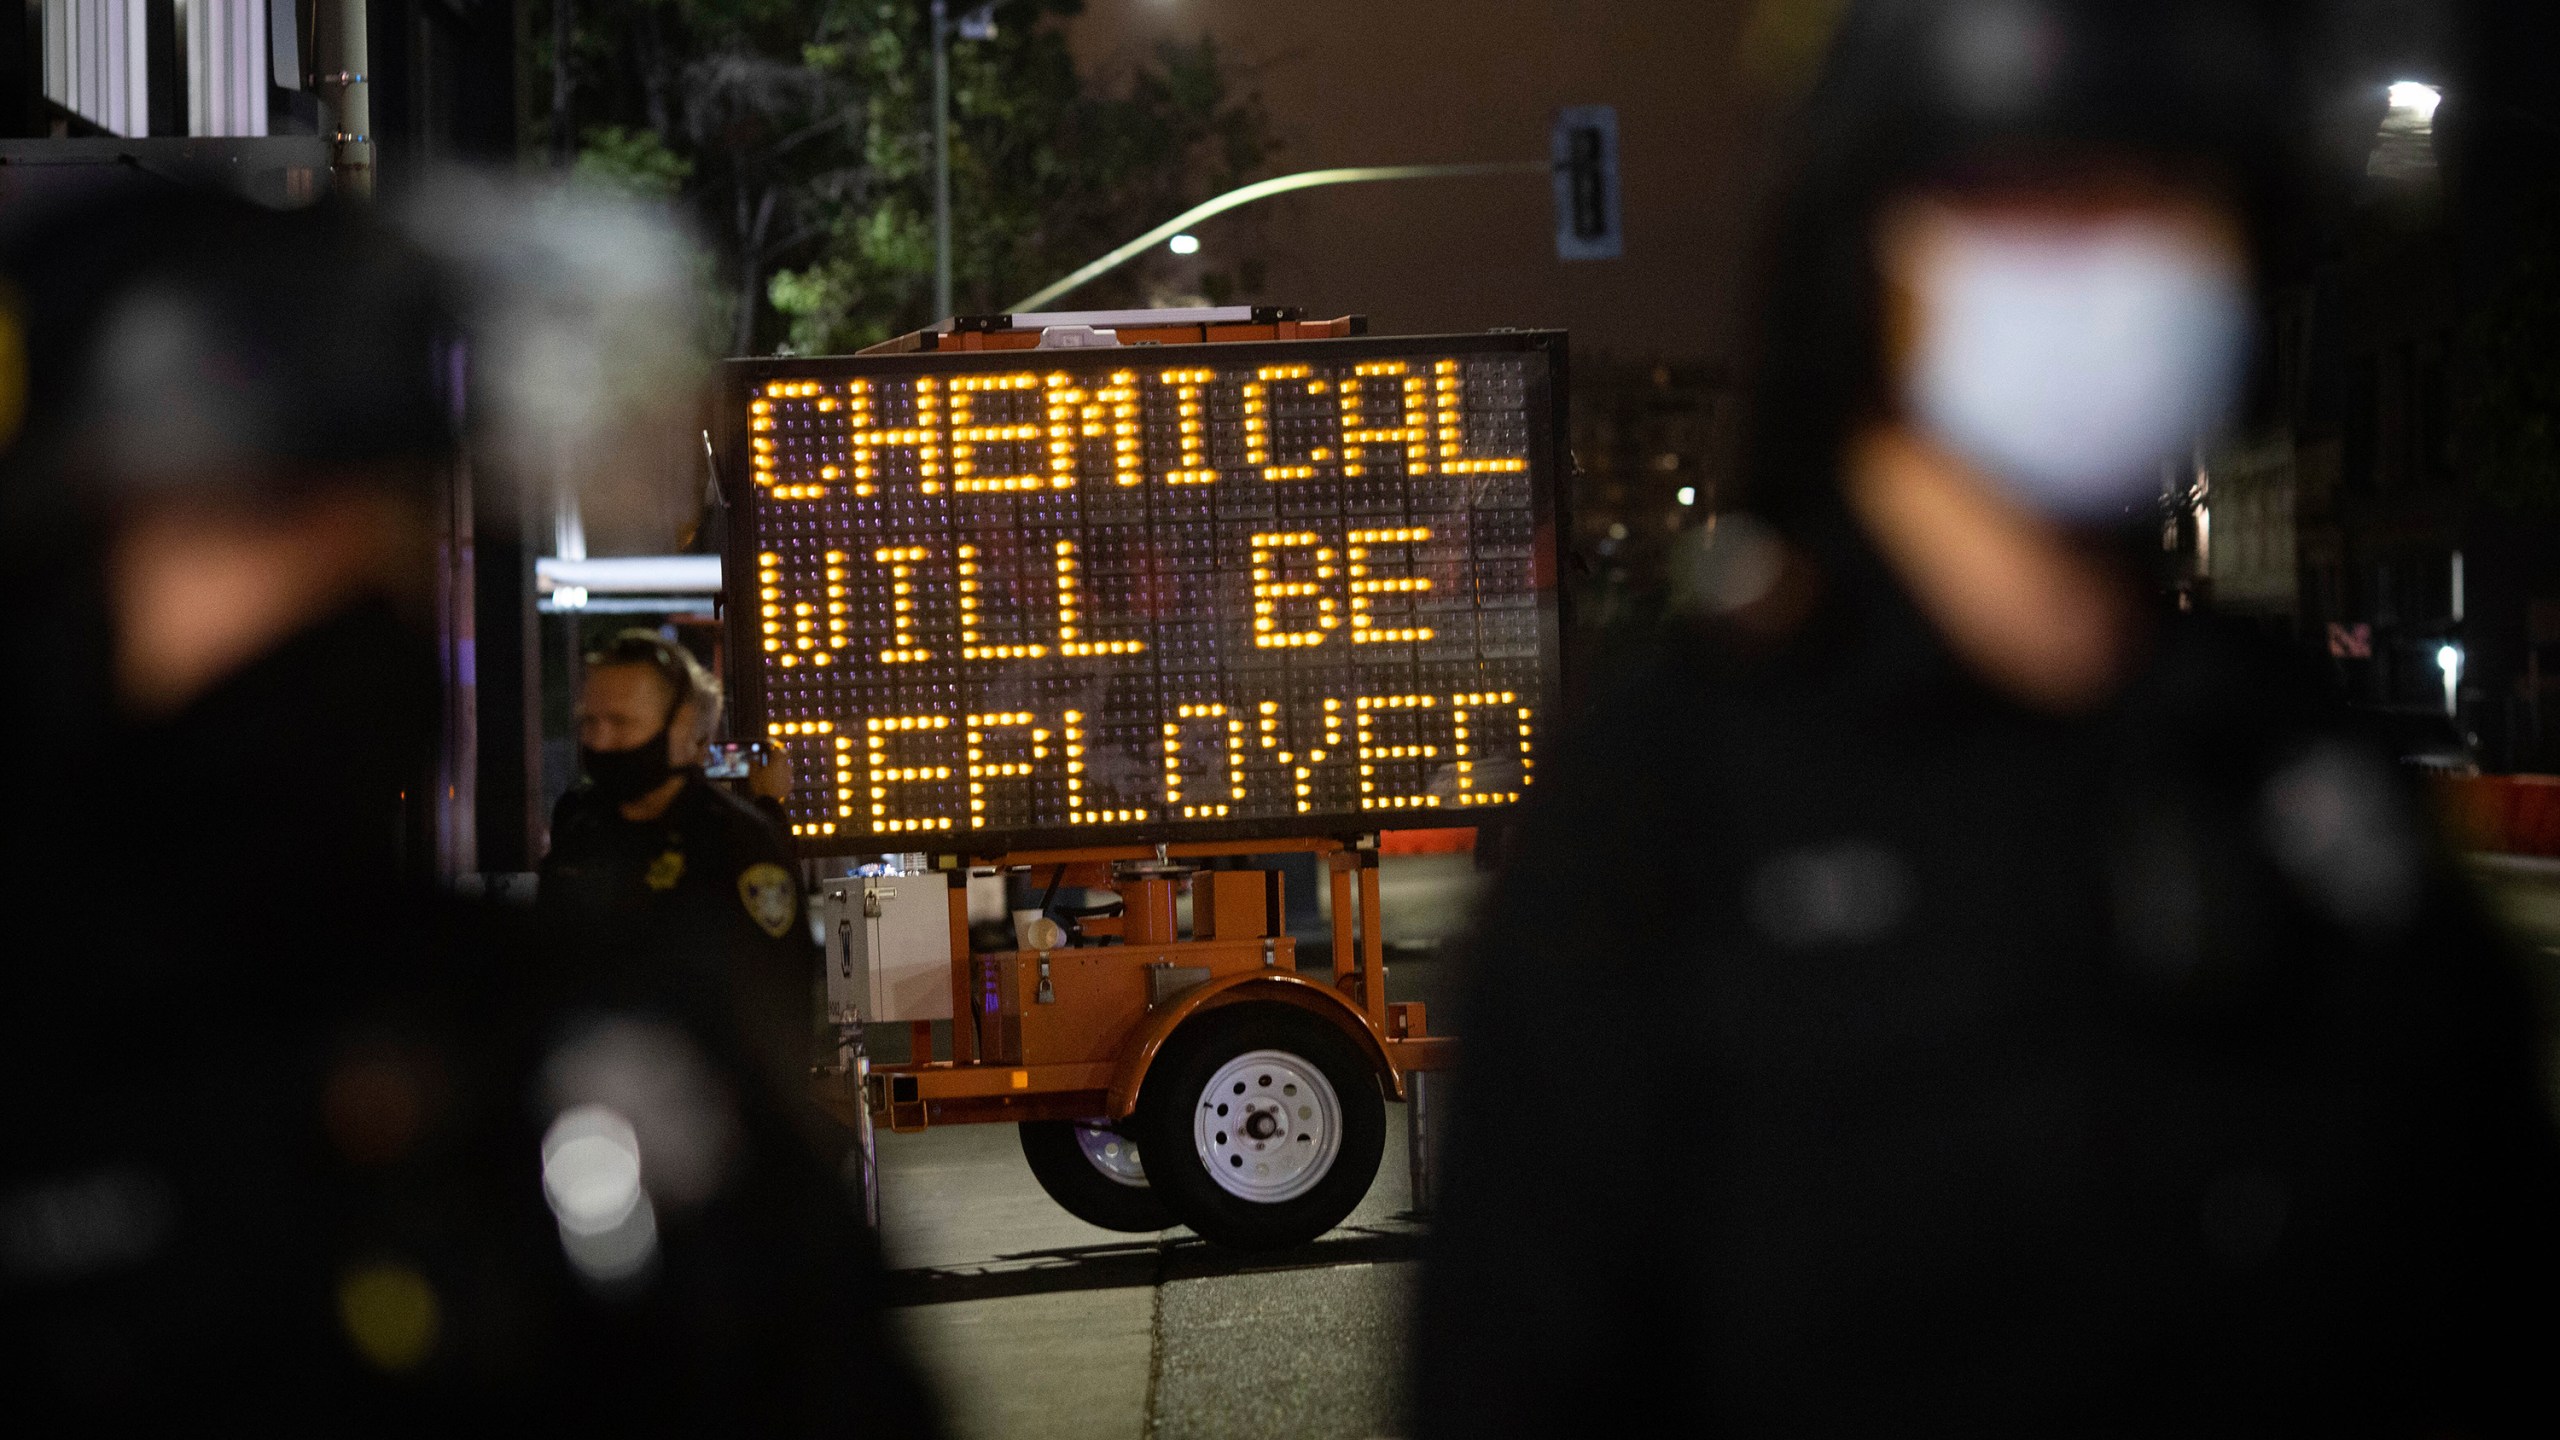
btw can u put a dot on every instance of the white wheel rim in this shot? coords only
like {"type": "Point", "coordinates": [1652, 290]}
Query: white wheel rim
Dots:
{"type": "Point", "coordinates": [1112, 1153]}
{"type": "Point", "coordinates": [1268, 1126]}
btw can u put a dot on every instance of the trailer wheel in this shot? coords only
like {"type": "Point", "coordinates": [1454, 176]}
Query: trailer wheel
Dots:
{"type": "Point", "coordinates": [1263, 1126]}
{"type": "Point", "coordinates": [1094, 1174]}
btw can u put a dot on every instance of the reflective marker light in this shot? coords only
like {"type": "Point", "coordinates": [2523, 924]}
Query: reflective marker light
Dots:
{"type": "Point", "coordinates": [1186, 590]}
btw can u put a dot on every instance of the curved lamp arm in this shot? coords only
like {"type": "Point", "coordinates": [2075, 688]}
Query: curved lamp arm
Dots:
{"type": "Point", "coordinates": [1264, 190]}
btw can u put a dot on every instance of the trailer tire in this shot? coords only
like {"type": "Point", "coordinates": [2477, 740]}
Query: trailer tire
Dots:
{"type": "Point", "coordinates": [1088, 1168]}
{"type": "Point", "coordinates": [1263, 1124]}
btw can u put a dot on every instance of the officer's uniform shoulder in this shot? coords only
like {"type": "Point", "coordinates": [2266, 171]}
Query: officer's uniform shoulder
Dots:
{"type": "Point", "coordinates": [735, 823]}
{"type": "Point", "coordinates": [578, 809]}
{"type": "Point", "coordinates": [752, 858]}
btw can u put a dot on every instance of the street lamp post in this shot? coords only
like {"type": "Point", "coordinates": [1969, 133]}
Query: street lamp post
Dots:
{"type": "Point", "coordinates": [978, 24]}
{"type": "Point", "coordinates": [941, 160]}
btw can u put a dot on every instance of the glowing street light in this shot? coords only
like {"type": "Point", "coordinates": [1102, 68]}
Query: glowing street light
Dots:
{"type": "Point", "coordinates": [1184, 244]}
{"type": "Point", "coordinates": [2449, 660]}
{"type": "Point", "coordinates": [2416, 99]}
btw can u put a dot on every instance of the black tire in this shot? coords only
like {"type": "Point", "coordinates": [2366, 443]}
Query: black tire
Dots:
{"type": "Point", "coordinates": [1182, 1160]}
{"type": "Point", "coordinates": [1081, 1186]}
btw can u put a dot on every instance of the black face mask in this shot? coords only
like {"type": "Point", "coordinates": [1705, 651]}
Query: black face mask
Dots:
{"type": "Point", "coordinates": [622, 776]}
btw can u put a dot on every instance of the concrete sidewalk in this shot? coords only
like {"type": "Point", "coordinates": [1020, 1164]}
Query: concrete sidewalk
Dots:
{"type": "Point", "coordinates": [1030, 1323]}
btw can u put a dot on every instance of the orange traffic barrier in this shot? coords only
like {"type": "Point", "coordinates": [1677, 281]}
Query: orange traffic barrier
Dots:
{"type": "Point", "coordinates": [1427, 842]}
{"type": "Point", "coordinates": [2501, 814]}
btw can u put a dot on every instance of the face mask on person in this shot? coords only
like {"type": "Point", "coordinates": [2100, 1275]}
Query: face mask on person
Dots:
{"type": "Point", "coordinates": [622, 776]}
{"type": "Point", "coordinates": [2068, 362]}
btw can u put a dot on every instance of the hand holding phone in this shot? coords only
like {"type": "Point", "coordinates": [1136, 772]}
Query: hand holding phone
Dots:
{"type": "Point", "coordinates": [737, 759]}
{"type": "Point", "coordinates": [769, 773]}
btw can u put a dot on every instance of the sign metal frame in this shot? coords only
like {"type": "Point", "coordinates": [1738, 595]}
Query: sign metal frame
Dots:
{"type": "Point", "coordinates": [1548, 456]}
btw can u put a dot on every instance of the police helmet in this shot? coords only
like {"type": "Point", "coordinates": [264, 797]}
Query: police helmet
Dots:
{"type": "Point", "coordinates": [1922, 93]}
{"type": "Point", "coordinates": [183, 340]}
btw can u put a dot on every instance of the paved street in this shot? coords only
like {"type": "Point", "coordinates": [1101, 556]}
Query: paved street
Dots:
{"type": "Point", "coordinates": [1031, 1323]}
{"type": "Point", "coordinates": [2525, 893]}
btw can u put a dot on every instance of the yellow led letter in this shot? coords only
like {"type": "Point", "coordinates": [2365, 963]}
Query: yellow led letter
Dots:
{"type": "Point", "coordinates": [973, 615]}
{"type": "Point", "coordinates": [1371, 399]}
{"type": "Point", "coordinates": [1077, 812]}
{"type": "Point", "coordinates": [1366, 585]}
{"type": "Point", "coordinates": [1257, 422]}
{"type": "Point", "coordinates": [885, 771]}
{"type": "Point", "coordinates": [801, 619]}
{"type": "Point", "coordinates": [1476, 718]}
{"type": "Point", "coordinates": [1071, 612]}
{"type": "Point", "coordinates": [1377, 792]}
{"type": "Point", "coordinates": [1446, 389]}
{"type": "Point", "coordinates": [783, 471]}
{"type": "Point", "coordinates": [1212, 799]}
{"type": "Point", "coordinates": [1302, 772]}
{"type": "Point", "coordinates": [968, 476]}
{"type": "Point", "coordinates": [868, 438]}
{"type": "Point", "coordinates": [902, 561]}
{"type": "Point", "coordinates": [1066, 407]}
{"type": "Point", "coordinates": [981, 735]}
{"type": "Point", "coordinates": [1193, 417]}
{"type": "Point", "coordinates": [1114, 412]}
{"type": "Point", "coordinates": [1271, 591]}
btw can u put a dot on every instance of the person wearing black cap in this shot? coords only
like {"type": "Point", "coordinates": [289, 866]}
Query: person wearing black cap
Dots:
{"type": "Point", "coordinates": [292, 1141]}
{"type": "Point", "coordinates": [658, 877]}
{"type": "Point", "coordinates": [1943, 991]}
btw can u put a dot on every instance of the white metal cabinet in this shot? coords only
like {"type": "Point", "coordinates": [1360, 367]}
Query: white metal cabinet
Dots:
{"type": "Point", "coordinates": [888, 941]}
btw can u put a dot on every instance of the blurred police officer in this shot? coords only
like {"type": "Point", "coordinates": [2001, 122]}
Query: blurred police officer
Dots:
{"type": "Point", "coordinates": [291, 1142]}
{"type": "Point", "coordinates": [661, 881]}
{"type": "Point", "coordinates": [1942, 993]}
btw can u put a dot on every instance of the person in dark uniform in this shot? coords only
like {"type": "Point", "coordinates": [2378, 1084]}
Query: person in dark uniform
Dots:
{"type": "Point", "coordinates": [660, 881]}
{"type": "Point", "coordinates": [293, 1141]}
{"type": "Point", "coordinates": [1941, 991]}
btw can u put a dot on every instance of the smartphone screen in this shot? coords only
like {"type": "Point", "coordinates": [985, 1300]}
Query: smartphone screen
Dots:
{"type": "Point", "coordinates": [732, 759]}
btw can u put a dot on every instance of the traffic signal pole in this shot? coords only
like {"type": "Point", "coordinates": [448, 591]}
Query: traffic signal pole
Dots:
{"type": "Point", "coordinates": [338, 65]}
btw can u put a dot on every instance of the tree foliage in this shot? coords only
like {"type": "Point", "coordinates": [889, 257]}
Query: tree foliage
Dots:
{"type": "Point", "coordinates": [2509, 433]}
{"type": "Point", "coordinates": [797, 135]}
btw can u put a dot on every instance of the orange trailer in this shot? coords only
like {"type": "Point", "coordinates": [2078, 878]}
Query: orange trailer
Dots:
{"type": "Point", "coordinates": [1119, 1045]}
{"type": "Point", "coordinates": [1131, 598]}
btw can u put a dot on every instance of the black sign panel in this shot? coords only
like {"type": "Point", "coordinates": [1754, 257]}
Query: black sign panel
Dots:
{"type": "Point", "coordinates": [1000, 599]}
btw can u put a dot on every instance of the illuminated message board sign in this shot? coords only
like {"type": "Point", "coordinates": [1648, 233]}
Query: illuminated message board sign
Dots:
{"type": "Point", "coordinates": [1001, 599]}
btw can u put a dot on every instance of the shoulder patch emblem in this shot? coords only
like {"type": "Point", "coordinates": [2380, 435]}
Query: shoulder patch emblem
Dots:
{"type": "Point", "coordinates": [771, 896]}
{"type": "Point", "coordinates": [666, 870]}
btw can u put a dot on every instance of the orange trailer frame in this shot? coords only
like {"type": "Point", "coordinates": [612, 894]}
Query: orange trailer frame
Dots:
{"type": "Point", "coordinates": [1088, 1058]}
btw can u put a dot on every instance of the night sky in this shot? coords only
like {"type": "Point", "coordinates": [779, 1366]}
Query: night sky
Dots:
{"type": "Point", "coordinates": [1366, 82]}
